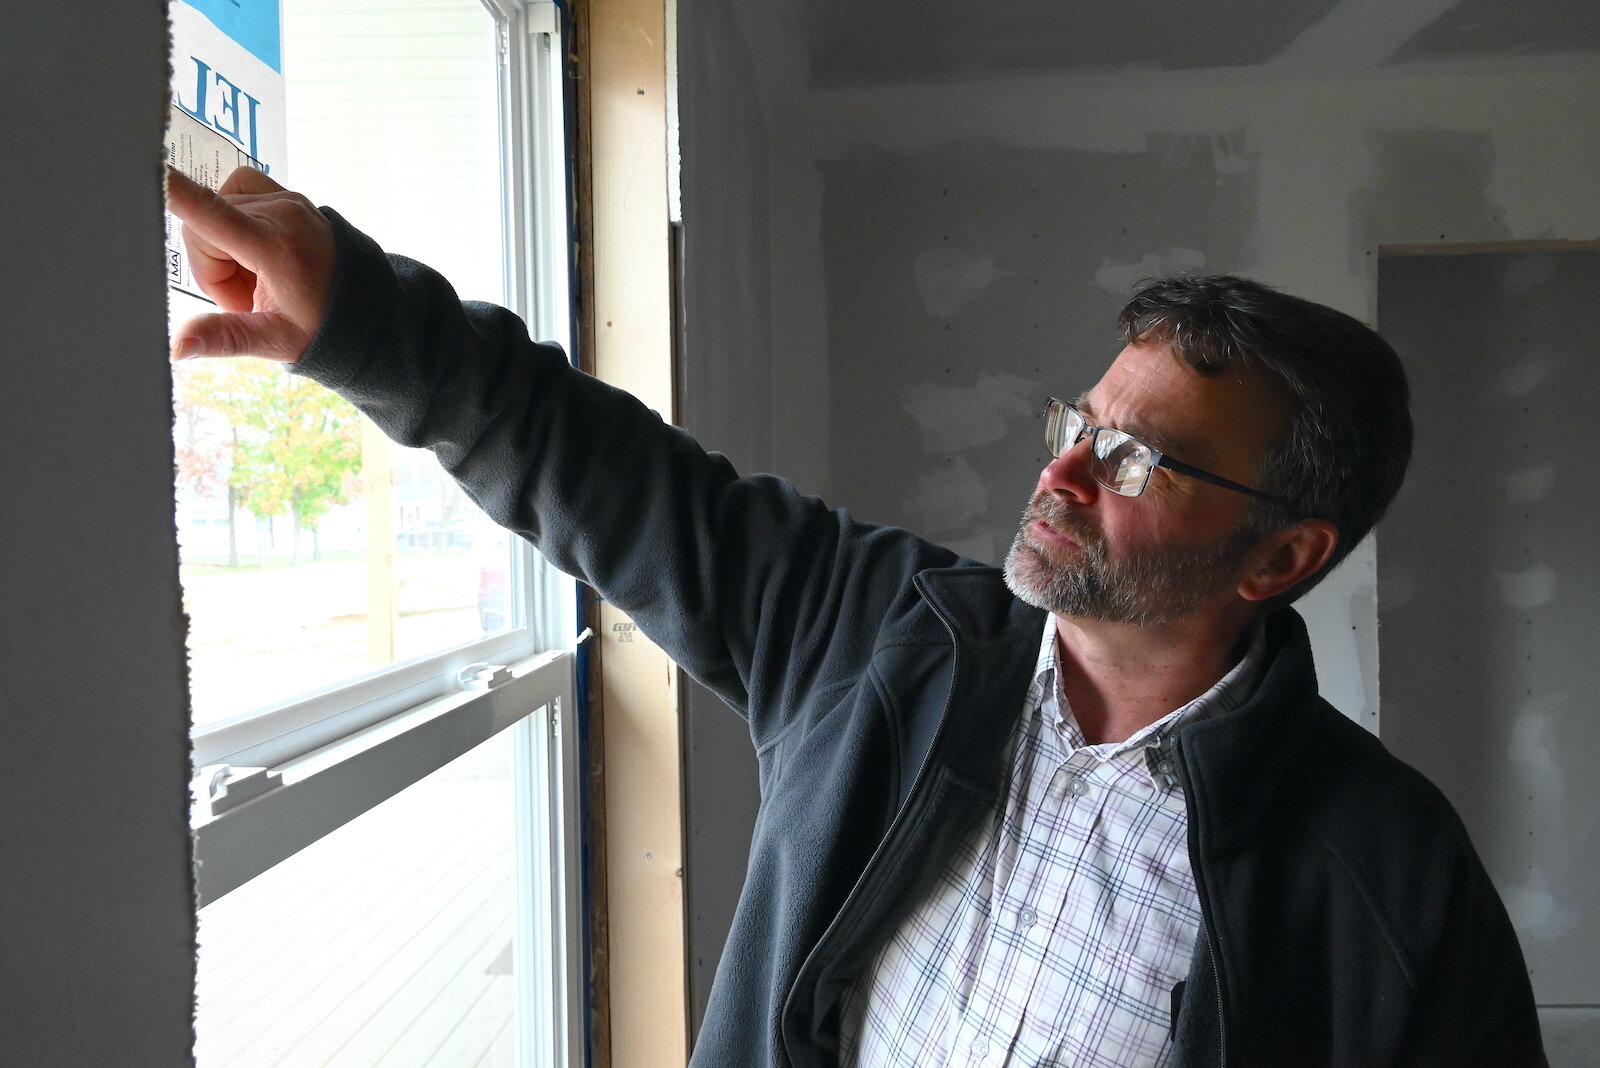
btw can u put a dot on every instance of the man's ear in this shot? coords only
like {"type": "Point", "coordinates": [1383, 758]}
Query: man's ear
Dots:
{"type": "Point", "coordinates": [1287, 557]}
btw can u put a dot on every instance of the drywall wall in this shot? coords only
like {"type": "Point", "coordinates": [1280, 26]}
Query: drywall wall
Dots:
{"type": "Point", "coordinates": [1489, 571]}
{"type": "Point", "coordinates": [943, 363]}
{"type": "Point", "coordinates": [96, 917]}
{"type": "Point", "coordinates": [947, 40]}
{"type": "Point", "coordinates": [724, 394]}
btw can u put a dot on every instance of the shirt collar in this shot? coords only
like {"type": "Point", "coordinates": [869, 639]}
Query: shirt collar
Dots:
{"type": "Point", "coordinates": [1223, 696]}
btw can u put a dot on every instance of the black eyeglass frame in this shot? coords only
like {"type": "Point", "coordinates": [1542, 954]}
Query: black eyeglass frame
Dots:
{"type": "Point", "coordinates": [1054, 426]}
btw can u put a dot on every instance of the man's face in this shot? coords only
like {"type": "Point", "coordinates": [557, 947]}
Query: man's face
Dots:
{"type": "Point", "coordinates": [1086, 552]}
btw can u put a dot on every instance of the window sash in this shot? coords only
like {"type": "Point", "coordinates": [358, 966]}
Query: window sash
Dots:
{"type": "Point", "coordinates": [330, 756]}
{"type": "Point", "coordinates": [324, 790]}
{"type": "Point", "coordinates": [281, 732]}
{"type": "Point", "coordinates": [534, 191]}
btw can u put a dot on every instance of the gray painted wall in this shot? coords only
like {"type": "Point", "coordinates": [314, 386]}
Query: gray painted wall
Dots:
{"type": "Point", "coordinates": [96, 921]}
{"type": "Point", "coordinates": [725, 393]}
{"type": "Point", "coordinates": [942, 255]}
{"type": "Point", "coordinates": [1490, 577]}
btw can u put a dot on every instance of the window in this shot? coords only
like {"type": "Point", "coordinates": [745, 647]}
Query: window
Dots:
{"type": "Point", "coordinates": [383, 700]}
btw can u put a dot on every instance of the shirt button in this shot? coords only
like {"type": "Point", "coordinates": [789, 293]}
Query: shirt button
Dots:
{"type": "Point", "coordinates": [1079, 786]}
{"type": "Point", "coordinates": [980, 1047]}
{"type": "Point", "coordinates": [1027, 917]}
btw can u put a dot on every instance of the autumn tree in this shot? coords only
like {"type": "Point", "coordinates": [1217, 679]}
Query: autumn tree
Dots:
{"type": "Point", "coordinates": [204, 444]}
{"type": "Point", "coordinates": [294, 448]}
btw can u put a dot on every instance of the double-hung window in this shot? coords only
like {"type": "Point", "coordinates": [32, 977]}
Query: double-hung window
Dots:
{"type": "Point", "coordinates": [385, 730]}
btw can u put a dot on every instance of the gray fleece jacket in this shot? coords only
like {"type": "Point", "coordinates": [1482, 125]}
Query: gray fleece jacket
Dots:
{"type": "Point", "coordinates": [1347, 919]}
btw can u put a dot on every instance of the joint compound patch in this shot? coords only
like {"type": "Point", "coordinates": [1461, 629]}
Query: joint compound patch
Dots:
{"type": "Point", "coordinates": [958, 417]}
{"type": "Point", "coordinates": [1530, 484]}
{"type": "Point", "coordinates": [1527, 589]}
{"type": "Point", "coordinates": [952, 495]}
{"type": "Point", "coordinates": [1525, 376]}
{"type": "Point", "coordinates": [949, 279]}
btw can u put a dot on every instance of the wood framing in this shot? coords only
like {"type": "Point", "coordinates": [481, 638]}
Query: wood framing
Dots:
{"type": "Point", "coordinates": [625, 331]}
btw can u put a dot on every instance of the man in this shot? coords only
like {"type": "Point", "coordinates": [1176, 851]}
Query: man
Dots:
{"type": "Point", "coordinates": [1090, 811]}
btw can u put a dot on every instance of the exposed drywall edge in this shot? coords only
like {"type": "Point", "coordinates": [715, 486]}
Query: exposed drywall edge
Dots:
{"type": "Point", "coordinates": [97, 944]}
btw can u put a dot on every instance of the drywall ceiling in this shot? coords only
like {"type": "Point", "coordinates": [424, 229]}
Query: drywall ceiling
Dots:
{"type": "Point", "coordinates": [850, 44]}
{"type": "Point", "coordinates": [1503, 28]}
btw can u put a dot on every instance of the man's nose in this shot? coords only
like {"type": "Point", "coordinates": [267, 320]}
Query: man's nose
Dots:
{"type": "Point", "coordinates": [1068, 474]}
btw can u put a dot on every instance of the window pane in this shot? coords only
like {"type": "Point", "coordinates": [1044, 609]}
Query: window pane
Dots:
{"type": "Point", "coordinates": [312, 550]}
{"type": "Point", "coordinates": [389, 942]}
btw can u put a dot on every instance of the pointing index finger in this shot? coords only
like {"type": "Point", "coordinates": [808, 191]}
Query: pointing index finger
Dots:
{"type": "Point", "coordinates": [208, 216]}
{"type": "Point", "coordinates": [249, 180]}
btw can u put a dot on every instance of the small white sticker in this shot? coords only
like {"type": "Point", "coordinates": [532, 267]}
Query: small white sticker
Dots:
{"type": "Point", "coordinates": [208, 157]}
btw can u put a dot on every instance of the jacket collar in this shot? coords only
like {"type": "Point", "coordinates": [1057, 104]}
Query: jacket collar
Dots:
{"type": "Point", "coordinates": [996, 646]}
{"type": "Point", "coordinates": [977, 602]}
{"type": "Point", "coordinates": [1236, 762]}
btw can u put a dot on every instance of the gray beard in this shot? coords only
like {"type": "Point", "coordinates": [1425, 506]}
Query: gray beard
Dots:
{"type": "Point", "coordinates": [1146, 587]}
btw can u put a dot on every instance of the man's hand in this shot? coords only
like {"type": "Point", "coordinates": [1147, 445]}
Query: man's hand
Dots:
{"type": "Point", "coordinates": [264, 254]}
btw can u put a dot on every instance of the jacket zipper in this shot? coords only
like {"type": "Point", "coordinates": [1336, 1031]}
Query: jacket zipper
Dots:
{"type": "Point", "coordinates": [1205, 914]}
{"type": "Point", "coordinates": [894, 824]}
{"type": "Point", "coordinates": [1216, 979]}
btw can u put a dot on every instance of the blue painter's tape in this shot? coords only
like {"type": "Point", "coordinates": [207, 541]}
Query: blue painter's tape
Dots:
{"type": "Point", "coordinates": [253, 23]}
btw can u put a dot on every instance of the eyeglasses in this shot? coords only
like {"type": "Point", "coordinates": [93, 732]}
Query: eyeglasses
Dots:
{"type": "Point", "coordinates": [1121, 462]}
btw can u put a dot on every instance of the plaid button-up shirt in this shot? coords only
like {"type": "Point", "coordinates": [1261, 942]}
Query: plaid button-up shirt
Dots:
{"type": "Point", "coordinates": [1056, 933]}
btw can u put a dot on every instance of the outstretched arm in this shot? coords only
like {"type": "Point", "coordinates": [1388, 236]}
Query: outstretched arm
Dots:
{"type": "Point", "coordinates": [759, 592]}
{"type": "Point", "coordinates": [264, 254]}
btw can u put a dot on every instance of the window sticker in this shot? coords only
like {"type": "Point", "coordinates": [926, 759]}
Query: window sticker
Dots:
{"type": "Point", "coordinates": [208, 157]}
{"type": "Point", "coordinates": [227, 101]}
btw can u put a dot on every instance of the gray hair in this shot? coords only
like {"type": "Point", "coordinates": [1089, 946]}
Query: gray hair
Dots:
{"type": "Point", "coordinates": [1349, 439]}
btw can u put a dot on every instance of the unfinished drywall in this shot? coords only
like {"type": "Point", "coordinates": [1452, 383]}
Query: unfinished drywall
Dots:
{"type": "Point", "coordinates": [724, 393]}
{"type": "Point", "coordinates": [1496, 28]}
{"type": "Point", "coordinates": [96, 906]}
{"type": "Point", "coordinates": [950, 40]}
{"type": "Point", "coordinates": [955, 307]}
{"type": "Point", "coordinates": [1490, 574]}
{"type": "Point", "coordinates": [726, 271]}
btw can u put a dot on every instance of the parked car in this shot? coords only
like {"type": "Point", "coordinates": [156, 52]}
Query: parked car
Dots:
{"type": "Point", "coordinates": [492, 595]}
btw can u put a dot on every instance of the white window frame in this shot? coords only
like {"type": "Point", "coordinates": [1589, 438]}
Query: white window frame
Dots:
{"type": "Point", "coordinates": [273, 781]}
{"type": "Point", "coordinates": [534, 200]}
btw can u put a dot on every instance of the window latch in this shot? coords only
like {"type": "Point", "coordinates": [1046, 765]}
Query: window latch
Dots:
{"type": "Point", "coordinates": [482, 676]}
{"type": "Point", "coordinates": [543, 17]}
{"type": "Point", "coordinates": [220, 787]}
